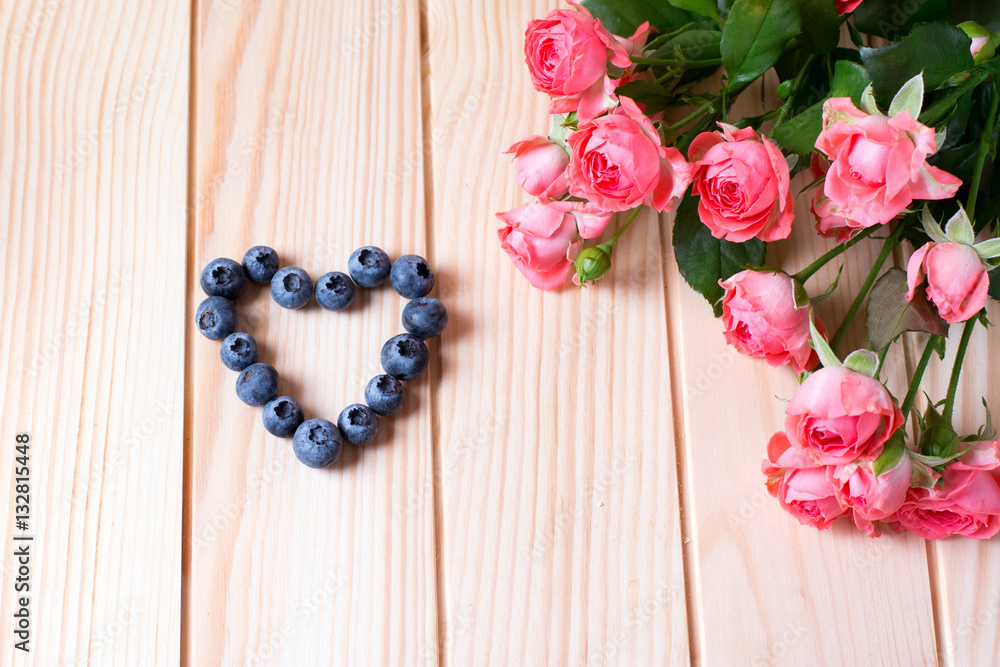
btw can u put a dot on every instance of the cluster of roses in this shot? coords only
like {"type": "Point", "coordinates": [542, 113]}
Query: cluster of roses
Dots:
{"type": "Point", "coordinates": [842, 451]}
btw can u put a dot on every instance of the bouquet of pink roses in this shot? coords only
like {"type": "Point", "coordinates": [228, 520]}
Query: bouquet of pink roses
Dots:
{"type": "Point", "coordinates": [900, 139]}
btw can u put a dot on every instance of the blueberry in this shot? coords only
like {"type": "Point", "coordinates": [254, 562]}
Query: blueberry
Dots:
{"type": "Point", "coordinates": [216, 317]}
{"type": "Point", "coordinates": [291, 287]}
{"type": "Point", "coordinates": [404, 356]}
{"type": "Point", "coordinates": [411, 277]}
{"type": "Point", "coordinates": [238, 351]}
{"type": "Point", "coordinates": [282, 416]}
{"type": "Point", "coordinates": [223, 277]}
{"type": "Point", "coordinates": [384, 395]}
{"type": "Point", "coordinates": [358, 424]}
{"type": "Point", "coordinates": [317, 443]}
{"type": "Point", "coordinates": [335, 291]}
{"type": "Point", "coordinates": [260, 264]}
{"type": "Point", "coordinates": [425, 317]}
{"type": "Point", "coordinates": [369, 266]}
{"type": "Point", "coordinates": [257, 384]}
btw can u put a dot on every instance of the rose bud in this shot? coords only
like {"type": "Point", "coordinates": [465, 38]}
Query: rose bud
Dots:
{"type": "Point", "coordinates": [871, 496]}
{"type": "Point", "coordinates": [966, 502]}
{"type": "Point", "coordinates": [567, 54]}
{"type": "Point", "coordinates": [878, 164]}
{"type": "Point", "coordinates": [840, 416]}
{"type": "Point", "coordinates": [846, 6]}
{"type": "Point", "coordinates": [829, 225]}
{"type": "Point", "coordinates": [743, 182]}
{"type": "Point", "coordinates": [538, 237]}
{"type": "Point", "coordinates": [540, 167]}
{"type": "Point", "coordinates": [983, 42]}
{"type": "Point", "coordinates": [618, 163]}
{"type": "Point", "coordinates": [957, 279]}
{"type": "Point", "coordinates": [802, 488]}
{"type": "Point", "coordinates": [761, 319]}
{"type": "Point", "coordinates": [592, 264]}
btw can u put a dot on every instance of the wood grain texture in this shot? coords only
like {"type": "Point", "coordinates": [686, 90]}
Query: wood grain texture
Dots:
{"type": "Point", "coordinates": [555, 441]}
{"type": "Point", "coordinates": [93, 134]}
{"type": "Point", "coordinates": [308, 139]}
{"type": "Point", "coordinates": [768, 591]}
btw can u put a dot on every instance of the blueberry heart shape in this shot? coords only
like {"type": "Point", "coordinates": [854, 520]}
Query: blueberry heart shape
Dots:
{"type": "Point", "coordinates": [317, 442]}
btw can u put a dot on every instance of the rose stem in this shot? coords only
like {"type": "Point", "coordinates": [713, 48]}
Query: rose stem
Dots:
{"type": "Point", "coordinates": [621, 230]}
{"type": "Point", "coordinates": [918, 374]}
{"type": "Point", "coordinates": [787, 106]}
{"type": "Point", "coordinates": [807, 273]}
{"type": "Point", "coordinates": [881, 360]}
{"type": "Point", "coordinates": [956, 369]}
{"type": "Point", "coordinates": [704, 108]}
{"type": "Point", "coordinates": [669, 62]}
{"type": "Point", "coordinates": [981, 157]}
{"type": "Point", "coordinates": [940, 109]}
{"type": "Point", "coordinates": [890, 243]}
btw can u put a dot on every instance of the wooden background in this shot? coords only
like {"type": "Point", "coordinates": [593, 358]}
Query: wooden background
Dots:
{"type": "Point", "coordinates": [575, 482]}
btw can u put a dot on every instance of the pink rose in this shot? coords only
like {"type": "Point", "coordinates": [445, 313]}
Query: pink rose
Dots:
{"type": "Point", "coordinates": [840, 416]}
{"type": "Point", "coordinates": [742, 179]}
{"type": "Point", "coordinates": [878, 164]}
{"type": "Point", "coordinates": [540, 167]}
{"type": "Point", "coordinates": [846, 6]}
{"type": "Point", "coordinates": [829, 225]}
{"type": "Point", "coordinates": [618, 163]}
{"type": "Point", "coordinates": [539, 236]}
{"type": "Point", "coordinates": [801, 487]}
{"type": "Point", "coordinates": [957, 281]}
{"type": "Point", "coordinates": [872, 498]}
{"type": "Point", "coordinates": [567, 53]}
{"type": "Point", "coordinates": [967, 503]}
{"type": "Point", "coordinates": [761, 320]}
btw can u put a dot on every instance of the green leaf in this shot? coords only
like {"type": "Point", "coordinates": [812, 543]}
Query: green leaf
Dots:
{"type": "Point", "coordinates": [653, 95]}
{"type": "Point", "coordinates": [862, 361]}
{"type": "Point", "coordinates": [820, 24]}
{"type": "Point", "coordinates": [704, 260]}
{"type": "Point", "coordinates": [703, 7]}
{"type": "Point", "coordinates": [891, 18]}
{"type": "Point", "coordinates": [959, 228]}
{"type": "Point", "coordinates": [988, 249]}
{"type": "Point", "coordinates": [931, 226]}
{"type": "Point", "coordinates": [754, 37]}
{"type": "Point", "coordinates": [622, 17]}
{"type": "Point", "coordinates": [995, 284]}
{"type": "Point", "coordinates": [798, 134]}
{"type": "Point", "coordinates": [817, 300]}
{"type": "Point", "coordinates": [826, 355]}
{"type": "Point", "coordinates": [891, 454]}
{"type": "Point", "coordinates": [909, 98]}
{"type": "Point", "coordinates": [940, 51]}
{"type": "Point", "coordinates": [691, 45]}
{"type": "Point", "coordinates": [889, 314]}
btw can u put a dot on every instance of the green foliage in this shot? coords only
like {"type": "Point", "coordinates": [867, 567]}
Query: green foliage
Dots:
{"type": "Point", "coordinates": [889, 314]}
{"type": "Point", "coordinates": [704, 260]}
{"type": "Point", "coordinates": [754, 36]}
{"type": "Point", "coordinates": [622, 17]}
{"type": "Point", "coordinates": [798, 134]}
{"type": "Point", "coordinates": [820, 24]}
{"type": "Point", "coordinates": [891, 18]}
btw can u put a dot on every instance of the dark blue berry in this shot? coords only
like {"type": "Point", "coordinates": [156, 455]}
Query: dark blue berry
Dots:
{"type": "Point", "coordinates": [238, 351]}
{"type": "Point", "coordinates": [282, 416]}
{"type": "Point", "coordinates": [358, 424]}
{"type": "Point", "coordinates": [216, 317]}
{"type": "Point", "coordinates": [260, 264]}
{"type": "Point", "coordinates": [335, 291]}
{"type": "Point", "coordinates": [404, 357]}
{"type": "Point", "coordinates": [369, 266]}
{"type": "Point", "coordinates": [384, 395]}
{"type": "Point", "coordinates": [425, 317]}
{"type": "Point", "coordinates": [291, 287]}
{"type": "Point", "coordinates": [257, 384]}
{"type": "Point", "coordinates": [317, 443]}
{"type": "Point", "coordinates": [223, 277]}
{"type": "Point", "coordinates": [411, 277]}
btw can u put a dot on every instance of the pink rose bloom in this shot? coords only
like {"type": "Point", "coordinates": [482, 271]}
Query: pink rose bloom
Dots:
{"type": "Point", "coordinates": [567, 53]}
{"type": "Point", "coordinates": [540, 167]}
{"type": "Point", "coordinates": [618, 163]}
{"type": "Point", "coordinates": [872, 498]}
{"type": "Point", "coordinates": [957, 281]}
{"type": "Point", "coordinates": [538, 237]}
{"type": "Point", "coordinates": [761, 320]}
{"type": "Point", "coordinates": [801, 487]}
{"type": "Point", "coordinates": [968, 502]}
{"type": "Point", "coordinates": [878, 164]}
{"type": "Point", "coordinates": [829, 225]}
{"type": "Point", "coordinates": [846, 6]}
{"type": "Point", "coordinates": [840, 416]}
{"type": "Point", "coordinates": [742, 179]}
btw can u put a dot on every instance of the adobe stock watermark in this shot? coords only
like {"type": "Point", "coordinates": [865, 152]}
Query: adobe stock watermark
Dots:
{"type": "Point", "coordinates": [108, 634]}
{"type": "Point", "coordinates": [54, 342]}
{"type": "Point", "coordinates": [773, 653]}
{"type": "Point", "coordinates": [359, 40]}
{"type": "Point", "coordinates": [90, 142]}
{"type": "Point", "coordinates": [434, 654]}
{"type": "Point", "coordinates": [37, 20]}
{"type": "Point", "coordinates": [638, 617]}
{"type": "Point", "coordinates": [547, 536]}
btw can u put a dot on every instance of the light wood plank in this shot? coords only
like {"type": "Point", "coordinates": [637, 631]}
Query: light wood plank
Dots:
{"type": "Point", "coordinates": [308, 139]}
{"type": "Point", "coordinates": [769, 591]}
{"type": "Point", "coordinates": [93, 162]}
{"type": "Point", "coordinates": [555, 447]}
